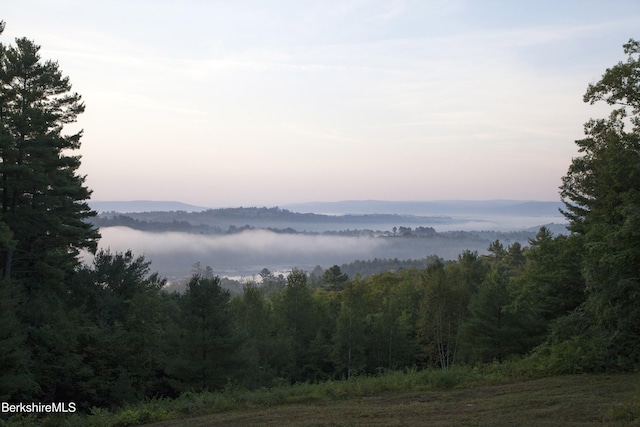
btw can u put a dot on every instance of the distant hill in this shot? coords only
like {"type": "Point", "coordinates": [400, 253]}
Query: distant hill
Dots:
{"type": "Point", "coordinates": [219, 220]}
{"type": "Point", "coordinates": [143, 206]}
{"type": "Point", "coordinates": [429, 208]}
{"type": "Point", "coordinates": [364, 207]}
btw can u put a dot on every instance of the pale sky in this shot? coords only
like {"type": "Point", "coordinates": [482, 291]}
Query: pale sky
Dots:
{"type": "Point", "coordinates": [251, 103]}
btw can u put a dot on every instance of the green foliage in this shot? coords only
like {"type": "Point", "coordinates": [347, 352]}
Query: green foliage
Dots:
{"type": "Point", "coordinates": [202, 347]}
{"type": "Point", "coordinates": [122, 332]}
{"type": "Point", "coordinates": [489, 329]}
{"type": "Point", "coordinates": [551, 282]}
{"type": "Point", "coordinates": [470, 269]}
{"type": "Point", "coordinates": [54, 341]}
{"type": "Point", "coordinates": [43, 212]}
{"type": "Point", "coordinates": [15, 379]}
{"type": "Point", "coordinates": [368, 268]}
{"type": "Point", "coordinates": [602, 195]}
{"type": "Point", "coordinates": [442, 309]}
{"type": "Point", "coordinates": [497, 253]}
{"type": "Point", "coordinates": [390, 316]}
{"type": "Point", "coordinates": [619, 84]}
{"type": "Point", "coordinates": [574, 345]}
{"type": "Point", "coordinates": [334, 278]}
{"type": "Point", "coordinates": [297, 324]}
{"type": "Point", "coordinates": [43, 199]}
{"type": "Point", "coordinates": [253, 317]}
{"type": "Point", "coordinates": [350, 338]}
{"type": "Point", "coordinates": [550, 285]}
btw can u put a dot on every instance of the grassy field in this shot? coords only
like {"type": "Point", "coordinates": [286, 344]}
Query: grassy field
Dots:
{"type": "Point", "coordinates": [507, 394]}
{"type": "Point", "coordinates": [577, 400]}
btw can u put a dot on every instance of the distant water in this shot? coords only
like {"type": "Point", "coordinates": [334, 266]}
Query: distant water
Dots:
{"type": "Point", "coordinates": [499, 223]}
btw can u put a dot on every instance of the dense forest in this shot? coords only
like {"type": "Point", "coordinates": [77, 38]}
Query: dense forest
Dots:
{"type": "Point", "coordinates": [108, 333]}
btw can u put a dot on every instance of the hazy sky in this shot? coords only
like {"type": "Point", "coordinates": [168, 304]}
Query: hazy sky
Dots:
{"type": "Point", "coordinates": [229, 103]}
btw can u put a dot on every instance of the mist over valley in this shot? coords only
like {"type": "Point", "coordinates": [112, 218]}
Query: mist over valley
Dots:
{"type": "Point", "coordinates": [240, 242]}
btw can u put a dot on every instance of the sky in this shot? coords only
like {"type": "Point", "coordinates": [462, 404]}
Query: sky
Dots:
{"type": "Point", "coordinates": [269, 102]}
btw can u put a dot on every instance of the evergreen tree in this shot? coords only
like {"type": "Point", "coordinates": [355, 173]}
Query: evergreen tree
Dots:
{"type": "Point", "coordinates": [252, 317]}
{"type": "Point", "coordinates": [550, 285]}
{"type": "Point", "coordinates": [42, 220]}
{"type": "Point", "coordinates": [297, 317]}
{"type": "Point", "coordinates": [43, 198]}
{"type": "Point", "coordinates": [497, 253]}
{"type": "Point", "coordinates": [122, 330]}
{"type": "Point", "coordinates": [16, 380]}
{"type": "Point", "coordinates": [334, 278]}
{"type": "Point", "coordinates": [471, 269]}
{"type": "Point", "coordinates": [493, 331]}
{"type": "Point", "coordinates": [202, 352]}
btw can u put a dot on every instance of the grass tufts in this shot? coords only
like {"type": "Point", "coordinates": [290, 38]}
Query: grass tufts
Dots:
{"type": "Point", "coordinates": [410, 387]}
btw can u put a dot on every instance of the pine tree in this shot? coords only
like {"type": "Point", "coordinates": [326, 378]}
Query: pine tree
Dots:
{"type": "Point", "coordinates": [42, 222]}
{"type": "Point", "coordinates": [43, 199]}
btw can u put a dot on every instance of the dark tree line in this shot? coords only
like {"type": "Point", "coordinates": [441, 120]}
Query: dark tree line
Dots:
{"type": "Point", "coordinates": [108, 333]}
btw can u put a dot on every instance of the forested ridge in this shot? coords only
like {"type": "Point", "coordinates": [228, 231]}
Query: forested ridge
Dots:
{"type": "Point", "coordinates": [438, 216]}
{"type": "Point", "coordinates": [107, 334]}
{"type": "Point", "coordinates": [121, 220]}
{"type": "Point", "coordinates": [216, 221]}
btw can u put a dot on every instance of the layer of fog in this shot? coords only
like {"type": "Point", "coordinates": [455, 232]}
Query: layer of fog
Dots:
{"type": "Point", "coordinates": [245, 254]}
{"type": "Point", "coordinates": [440, 224]}
{"type": "Point", "coordinates": [498, 223]}
{"type": "Point", "coordinates": [173, 254]}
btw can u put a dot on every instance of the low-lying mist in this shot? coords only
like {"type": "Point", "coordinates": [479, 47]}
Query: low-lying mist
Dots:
{"type": "Point", "coordinates": [245, 254]}
{"type": "Point", "coordinates": [172, 254]}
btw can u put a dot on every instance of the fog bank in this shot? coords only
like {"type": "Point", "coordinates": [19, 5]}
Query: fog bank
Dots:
{"type": "Point", "coordinates": [244, 254]}
{"type": "Point", "coordinates": [172, 254]}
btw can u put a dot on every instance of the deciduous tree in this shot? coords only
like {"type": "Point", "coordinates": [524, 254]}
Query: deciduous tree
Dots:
{"type": "Point", "coordinates": [601, 192]}
{"type": "Point", "coordinates": [442, 310]}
